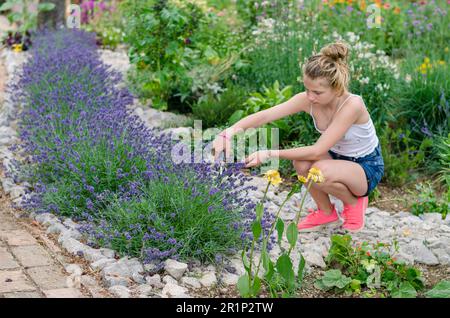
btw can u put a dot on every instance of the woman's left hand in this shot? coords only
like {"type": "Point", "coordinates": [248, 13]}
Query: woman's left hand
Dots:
{"type": "Point", "coordinates": [257, 158]}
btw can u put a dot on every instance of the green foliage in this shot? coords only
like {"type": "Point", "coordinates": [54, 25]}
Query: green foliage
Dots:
{"type": "Point", "coordinates": [355, 268]}
{"type": "Point", "coordinates": [168, 207]}
{"type": "Point", "coordinates": [441, 290]}
{"type": "Point", "coordinates": [109, 27]}
{"type": "Point", "coordinates": [442, 146]}
{"type": "Point", "coordinates": [26, 19]}
{"type": "Point", "coordinates": [166, 29]}
{"type": "Point", "coordinates": [428, 202]}
{"type": "Point", "coordinates": [215, 111]}
{"type": "Point", "coordinates": [279, 278]}
{"type": "Point", "coordinates": [402, 158]}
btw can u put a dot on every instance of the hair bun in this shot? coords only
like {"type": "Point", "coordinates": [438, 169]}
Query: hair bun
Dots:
{"type": "Point", "coordinates": [337, 51]}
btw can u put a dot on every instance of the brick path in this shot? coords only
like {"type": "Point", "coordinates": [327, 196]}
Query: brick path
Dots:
{"type": "Point", "coordinates": [28, 267]}
{"type": "Point", "coordinates": [31, 265]}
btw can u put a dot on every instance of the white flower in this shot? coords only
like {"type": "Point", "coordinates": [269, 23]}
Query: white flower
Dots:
{"type": "Point", "coordinates": [364, 80]}
{"type": "Point", "coordinates": [408, 78]}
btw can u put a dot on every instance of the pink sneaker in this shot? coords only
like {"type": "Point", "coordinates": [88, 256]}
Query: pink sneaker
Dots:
{"type": "Point", "coordinates": [317, 219]}
{"type": "Point", "coordinates": [354, 215]}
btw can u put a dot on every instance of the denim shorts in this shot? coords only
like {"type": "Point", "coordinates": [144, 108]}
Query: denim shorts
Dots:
{"type": "Point", "coordinates": [372, 164]}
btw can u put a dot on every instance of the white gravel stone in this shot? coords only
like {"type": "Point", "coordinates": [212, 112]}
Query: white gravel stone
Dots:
{"type": "Point", "coordinates": [144, 290]}
{"type": "Point", "coordinates": [102, 263]}
{"type": "Point", "coordinates": [119, 291]}
{"type": "Point", "coordinates": [419, 252]}
{"type": "Point", "coordinates": [208, 280]}
{"type": "Point", "coordinates": [74, 269]}
{"type": "Point", "coordinates": [314, 258]}
{"type": "Point", "coordinates": [175, 269]}
{"type": "Point", "coordinates": [109, 253]}
{"type": "Point", "coordinates": [56, 229]}
{"type": "Point", "coordinates": [191, 282]}
{"type": "Point", "coordinates": [124, 267]}
{"type": "Point", "coordinates": [174, 291]}
{"type": "Point", "coordinates": [88, 280]}
{"type": "Point", "coordinates": [72, 245]}
{"type": "Point", "coordinates": [93, 255]}
{"type": "Point", "coordinates": [154, 281]}
{"type": "Point", "coordinates": [169, 280]}
{"type": "Point", "coordinates": [230, 279]}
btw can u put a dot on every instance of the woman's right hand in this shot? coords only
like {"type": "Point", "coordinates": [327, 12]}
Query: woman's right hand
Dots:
{"type": "Point", "coordinates": [222, 143]}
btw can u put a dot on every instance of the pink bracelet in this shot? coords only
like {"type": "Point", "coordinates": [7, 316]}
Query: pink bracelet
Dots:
{"type": "Point", "coordinates": [224, 136]}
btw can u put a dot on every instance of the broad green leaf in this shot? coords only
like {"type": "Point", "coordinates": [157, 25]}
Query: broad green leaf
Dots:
{"type": "Point", "coordinates": [243, 285]}
{"type": "Point", "coordinates": [334, 277]}
{"type": "Point", "coordinates": [256, 286]}
{"type": "Point", "coordinates": [259, 211]}
{"type": "Point", "coordinates": [280, 229]}
{"type": "Point", "coordinates": [256, 229]}
{"type": "Point", "coordinates": [14, 17]}
{"type": "Point", "coordinates": [301, 267]}
{"type": "Point", "coordinates": [292, 234]}
{"type": "Point", "coordinates": [6, 6]}
{"type": "Point", "coordinates": [440, 290]}
{"type": "Point", "coordinates": [284, 267]}
{"type": "Point", "coordinates": [270, 271]}
{"type": "Point", "coordinates": [406, 290]}
{"type": "Point", "coordinates": [46, 6]}
{"type": "Point", "coordinates": [320, 285]}
{"type": "Point", "coordinates": [355, 284]}
{"type": "Point", "coordinates": [237, 115]}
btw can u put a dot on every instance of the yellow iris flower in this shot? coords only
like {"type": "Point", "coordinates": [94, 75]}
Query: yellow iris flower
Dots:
{"type": "Point", "coordinates": [316, 175]}
{"type": "Point", "coordinates": [273, 176]}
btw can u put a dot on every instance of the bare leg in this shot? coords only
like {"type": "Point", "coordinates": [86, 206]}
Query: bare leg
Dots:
{"type": "Point", "coordinates": [319, 196]}
{"type": "Point", "coordinates": [346, 180]}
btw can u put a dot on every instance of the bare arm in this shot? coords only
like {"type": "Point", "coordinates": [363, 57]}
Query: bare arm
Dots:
{"type": "Point", "coordinates": [345, 118]}
{"type": "Point", "coordinates": [294, 105]}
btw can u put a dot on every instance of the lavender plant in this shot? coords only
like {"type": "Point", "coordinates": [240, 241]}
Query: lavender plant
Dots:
{"type": "Point", "coordinates": [88, 157]}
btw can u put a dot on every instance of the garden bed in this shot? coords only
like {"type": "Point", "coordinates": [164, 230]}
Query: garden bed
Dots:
{"type": "Point", "coordinates": [310, 241]}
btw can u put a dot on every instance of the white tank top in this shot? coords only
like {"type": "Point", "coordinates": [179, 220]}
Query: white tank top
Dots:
{"type": "Point", "coordinates": [359, 140]}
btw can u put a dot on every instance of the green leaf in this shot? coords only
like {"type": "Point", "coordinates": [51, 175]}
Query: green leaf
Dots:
{"type": "Point", "coordinates": [355, 284]}
{"type": "Point", "coordinates": [237, 115]}
{"type": "Point", "coordinates": [256, 286]}
{"type": "Point", "coordinates": [6, 6]}
{"type": "Point", "coordinates": [301, 267]}
{"type": "Point", "coordinates": [280, 229]}
{"type": "Point", "coordinates": [259, 211]}
{"type": "Point", "coordinates": [320, 285]}
{"type": "Point", "coordinates": [334, 278]}
{"type": "Point", "coordinates": [292, 234]}
{"type": "Point", "coordinates": [440, 290]}
{"type": "Point", "coordinates": [46, 6]}
{"type": "Point", "coordinates": [14, 17]}
{"type": "Point", "coordinates": [243, 285]}
{"type": "Point", "coordinates": [245, 261]}
{"type": "Point", "coordinates": [406, 290]}
{"type": "Point", "coordinates": [284, 267]}
{"type": "Point", "coordinates": [294, 190]}
{"type": "Point", "coordinates": [256, 229]}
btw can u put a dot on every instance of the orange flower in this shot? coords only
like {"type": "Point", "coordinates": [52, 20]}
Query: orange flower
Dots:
{"type": "Point", "coordinates": [362, 5]}
{"type": "Point", "coordinates": [368, 253]}
{"type": "Point", "coordinates": [397, 10]}
{"type": "Point", "coordinates": [378, 3]}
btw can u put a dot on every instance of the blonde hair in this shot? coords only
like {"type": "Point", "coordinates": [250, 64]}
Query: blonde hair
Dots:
{"type": "Point", "coordinates": [330, 63]}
